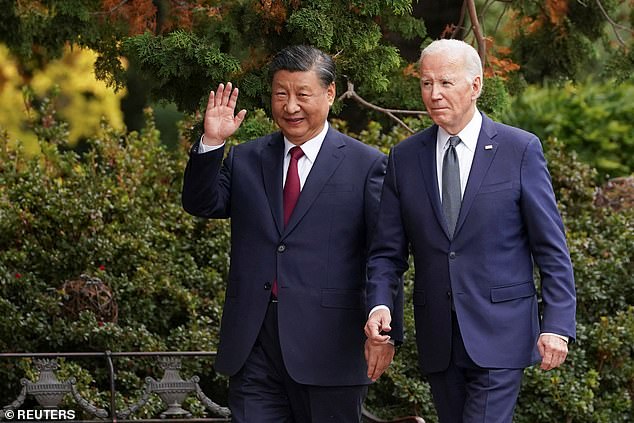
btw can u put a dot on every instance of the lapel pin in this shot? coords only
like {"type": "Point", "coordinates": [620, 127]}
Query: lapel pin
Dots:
{"type": "Point", "coordinates": [488, 147]}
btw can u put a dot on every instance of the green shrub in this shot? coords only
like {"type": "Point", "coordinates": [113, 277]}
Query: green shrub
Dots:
{"type": "Point", "coordinates": [113, 213]}
{"type": "Point", "coordinates": [593, 119]}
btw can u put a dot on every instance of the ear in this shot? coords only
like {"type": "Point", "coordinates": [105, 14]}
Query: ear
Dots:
{"type": "Point", "coordinates": [476, 88]}
{"type": "Point", "coordinates": [331, 93]}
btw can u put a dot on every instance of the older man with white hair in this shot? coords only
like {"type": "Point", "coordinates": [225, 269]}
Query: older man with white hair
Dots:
{"type": "Point", "coordinates": [473, 201]}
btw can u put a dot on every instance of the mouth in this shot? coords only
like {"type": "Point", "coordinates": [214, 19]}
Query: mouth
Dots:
{"type": "Point", "coordinates": [293, 121]}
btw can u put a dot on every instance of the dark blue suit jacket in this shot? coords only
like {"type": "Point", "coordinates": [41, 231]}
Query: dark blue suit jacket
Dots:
{"type": "Point", "coordinates": [508, 221]}
{"type": "Point", "coordinates": [319, 259]}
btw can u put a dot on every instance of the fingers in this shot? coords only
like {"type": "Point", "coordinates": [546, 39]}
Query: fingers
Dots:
{"type": "Point", "coordinates": [224, 96]}
{"type": "Point", "coordinates": [227, 94]}
{"type": "Point", "coordinates": [553, 350]}
{"type": "Point", "coordinates": [240, 117]}
{"type": "Point", "coordinates": [233, 98]}
{"type": "Point", "coordinates": [377, 325]}
{"type": "Point", "coordinates": [378, 358]}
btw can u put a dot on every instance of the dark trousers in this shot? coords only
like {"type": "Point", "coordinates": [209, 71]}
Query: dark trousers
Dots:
{"type": "Point", "coordinates": [262, 391]}
{"type": "Point", "coordinates": [467, 393]}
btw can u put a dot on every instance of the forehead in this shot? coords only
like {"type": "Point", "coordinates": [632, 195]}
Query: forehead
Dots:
{"type": "Point", "coordinates": [296, 79]}
{"type": "Point", "coordinates": [441, 65]}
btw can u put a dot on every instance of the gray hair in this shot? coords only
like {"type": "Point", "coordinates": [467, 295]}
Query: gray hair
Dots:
{"type": "Point", "coordinates": [457, 48]}
{"type": "Point", "coordinates": [302, 58]}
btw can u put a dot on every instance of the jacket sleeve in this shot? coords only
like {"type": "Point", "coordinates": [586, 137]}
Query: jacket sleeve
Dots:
{"type": "Point", "coordinates": [388, 254]}
{"type": "Point", "coordinates": [547, 241]}
{"type": "Point", "coordinates": [207, 184]}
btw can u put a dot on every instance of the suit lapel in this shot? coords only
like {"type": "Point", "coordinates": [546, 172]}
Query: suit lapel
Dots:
{"type": "Point", "coordinates": [427, 160]}
{"type": "Point", "coordinates": [482, 159]}
{"type": "Point", "coordinates": [329, 158]}
{"type": "Point", "coordinates": [272, 160]}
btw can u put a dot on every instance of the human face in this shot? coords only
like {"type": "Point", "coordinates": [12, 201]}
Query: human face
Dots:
{"type": "Point", "coordinates": [300, 104]}
{"type": "Point", "coordinates": [448, 93]}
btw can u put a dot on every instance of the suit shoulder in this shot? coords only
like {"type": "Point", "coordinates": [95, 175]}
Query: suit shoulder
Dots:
{"type": "Point", "coordinates": [360, 148]}
{"type": "Point", "coordinates": [257, 143]}
{"type": "Point", "coordinates": [514, 133]}
{"type": "Point", "coordinates": [415, 141]}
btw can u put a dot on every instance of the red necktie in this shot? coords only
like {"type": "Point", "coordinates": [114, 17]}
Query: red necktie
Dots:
{"type": "Point", "coordinates": [291, 187]}
{"type": "Point", "coordinates": [291, 193]}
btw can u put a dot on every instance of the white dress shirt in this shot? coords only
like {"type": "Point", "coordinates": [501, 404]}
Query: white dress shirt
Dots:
{"type": "Point", "coordinates": [465, 150]}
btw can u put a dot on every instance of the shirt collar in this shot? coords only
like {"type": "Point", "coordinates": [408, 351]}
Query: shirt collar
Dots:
{"type": "Point", "coordinates": [310, 147]}
{"type": "Point", "coordinates": [469, 134]}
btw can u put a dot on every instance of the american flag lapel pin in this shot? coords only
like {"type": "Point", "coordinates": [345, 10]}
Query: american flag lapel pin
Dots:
{"type": "Point", "coordinates": [488, 147]}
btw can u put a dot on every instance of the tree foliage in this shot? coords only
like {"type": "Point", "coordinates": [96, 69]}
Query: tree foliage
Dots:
{"type": "Point", "coordinates": [594, 119]}
{"type": "Point", "coordinates": [188, 46]}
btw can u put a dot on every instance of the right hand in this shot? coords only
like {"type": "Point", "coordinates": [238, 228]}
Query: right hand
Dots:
{"type": "Point", "coordinates": [377, 326]}
{"type": "Point", "coordinates": [220, 122]}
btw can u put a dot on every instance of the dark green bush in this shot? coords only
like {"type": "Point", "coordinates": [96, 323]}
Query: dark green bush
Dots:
{"type": "Point", "coordinates": [113, 213]}
{"type": "Point", "coordinates": [593, 119]}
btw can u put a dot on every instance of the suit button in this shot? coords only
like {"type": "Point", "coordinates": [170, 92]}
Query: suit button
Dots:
{"type": "Point", "coordinates": [281, 248]}
{"type": "Point", "coordinates": [449, 294]}
{"type": "Point", "coordinates": [267, 286]}
{"type": "Point", "coordinates": [452, 255]}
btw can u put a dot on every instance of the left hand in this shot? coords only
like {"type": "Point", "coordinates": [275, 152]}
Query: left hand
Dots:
{"type": "Point", "coordinates": [553, 350]}
{"type": "Point", "coordinates": [378, 357]}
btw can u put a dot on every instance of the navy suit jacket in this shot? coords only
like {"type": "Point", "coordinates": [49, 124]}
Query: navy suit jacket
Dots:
{"type": "Point", "coordinates": [319, 259]}
{"type": "Point", "coordinates": [508, 221]}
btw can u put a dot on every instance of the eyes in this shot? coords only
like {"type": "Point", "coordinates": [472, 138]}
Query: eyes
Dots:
{"type": "Point", "coordinates": [301, 95]}
{"type": "Point", "coordinates": [447, 83]}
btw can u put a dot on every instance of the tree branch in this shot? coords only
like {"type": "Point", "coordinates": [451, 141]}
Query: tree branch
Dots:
{"type": "Point", "coordinates": [463, 12]}
{"type": "Point", "coordinates": [615, 26]}
{"type": "Point", "coordinates": [477, 29]}
{"type": "Point", "coordinates": [351, 93]}
{"type": "Point", "coordinates": [114, 9]}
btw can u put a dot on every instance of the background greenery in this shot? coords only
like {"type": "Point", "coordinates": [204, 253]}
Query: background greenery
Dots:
{"type": "Point", "coordinates": [88, 183]}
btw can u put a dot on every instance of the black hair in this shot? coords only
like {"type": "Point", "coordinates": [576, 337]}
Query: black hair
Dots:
{"type": "Point", "coordinates": [302, 58]}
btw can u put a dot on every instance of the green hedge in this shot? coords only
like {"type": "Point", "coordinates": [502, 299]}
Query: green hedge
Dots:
{"type": "Point", "coordinates": [594, 119]}
{"type": "Point", "coordinates": [114, 212]}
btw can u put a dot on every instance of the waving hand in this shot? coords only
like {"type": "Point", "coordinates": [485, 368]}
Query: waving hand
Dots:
{"type": "Point", "coordinates": [220, 122]}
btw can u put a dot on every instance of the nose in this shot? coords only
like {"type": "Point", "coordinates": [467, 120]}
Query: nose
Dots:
{"type": "Point", "coordinates": [291, 105]}
{"type": "Point", "coordinates": [436, 92]}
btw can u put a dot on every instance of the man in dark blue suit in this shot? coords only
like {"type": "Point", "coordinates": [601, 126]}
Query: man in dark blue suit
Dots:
{"type": "Point", "coordinates": [472, 200]}
{"type": "Point", "coordinates": [303, 203]}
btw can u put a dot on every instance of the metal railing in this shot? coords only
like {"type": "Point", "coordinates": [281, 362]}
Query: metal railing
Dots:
{"type": "Point", "coordinates": [49, 391]}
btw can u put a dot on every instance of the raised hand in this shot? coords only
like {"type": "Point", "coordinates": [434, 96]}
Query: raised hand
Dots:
{"type": "Point", "coordinates": [220, 122]}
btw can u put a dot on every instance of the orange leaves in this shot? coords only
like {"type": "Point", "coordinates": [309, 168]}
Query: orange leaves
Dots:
{"type": "Point", "coordinates": [140, 15]}
{"type": "Point", "coordinates": [556, 11]}
{"type": "Point", "coordinates": [411, 70]}
{"type": "Point", "coordinates": [497, 61]}
{"type": "Point", "coordinates": [275, 12]}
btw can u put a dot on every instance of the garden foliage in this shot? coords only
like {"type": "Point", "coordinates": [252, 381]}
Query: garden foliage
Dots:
{"type": "Point", "coordinates": [114, 212]}
{"type": "Point", "coordinates": [593, 119]}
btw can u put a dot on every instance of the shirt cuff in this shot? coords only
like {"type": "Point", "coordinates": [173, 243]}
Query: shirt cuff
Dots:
{"type": "Point", "coordinates": [378, 307]}
{"type": "Point", "coordinates": [565, 338]}
{"type": "Point", "coordinates": [204, 148]}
